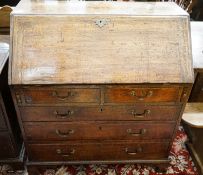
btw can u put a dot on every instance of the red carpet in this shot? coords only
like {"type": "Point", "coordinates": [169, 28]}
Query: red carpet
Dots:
{"type": "Point", "coordinates": [181, 164]}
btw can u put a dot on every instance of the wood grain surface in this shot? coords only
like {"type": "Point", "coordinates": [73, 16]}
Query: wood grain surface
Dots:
{"type": "Point", "coordinates": [126, 49]}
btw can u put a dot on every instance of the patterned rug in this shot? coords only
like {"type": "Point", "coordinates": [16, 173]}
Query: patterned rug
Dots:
{"type": "Point", "coordinates": [180, 163]}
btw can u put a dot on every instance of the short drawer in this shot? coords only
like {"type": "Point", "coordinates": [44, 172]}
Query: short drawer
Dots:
{"type": "Point", "coordinates": [46, 95]}
{"type": "Point", "coordinates": [88, 113]}
{"type": "Point", "coordinates": [98, 130]}
{"type": "Point", "coordinates": [97, 151]}
{"type": "Point", "coordinates": [6, 147]}
{"type": "Point", "coordinates": [142, 94]}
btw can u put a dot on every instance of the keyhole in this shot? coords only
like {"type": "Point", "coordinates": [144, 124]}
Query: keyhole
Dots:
{"type": "Point", "coordinates": [101, 110]}
{"type": "Point", "coordinates": [100, 128]}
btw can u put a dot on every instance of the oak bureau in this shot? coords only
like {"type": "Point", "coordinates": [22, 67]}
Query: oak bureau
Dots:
{"type": "Point", "coordinates": [99, 82]}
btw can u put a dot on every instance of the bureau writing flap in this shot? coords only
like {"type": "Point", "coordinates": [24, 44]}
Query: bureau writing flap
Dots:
{"type": "Point", "coordinates": [100, 42]}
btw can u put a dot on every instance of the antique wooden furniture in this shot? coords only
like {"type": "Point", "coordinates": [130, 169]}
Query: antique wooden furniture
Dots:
{"type": "Point", "coordinates": [193, 115]}
{"type": "Point", "coordinates": [11, 148]}
{"type": "Point", "coordinates": [99, 82]}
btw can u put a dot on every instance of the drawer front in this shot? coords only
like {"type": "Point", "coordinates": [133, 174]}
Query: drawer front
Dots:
{"type": "Point", "coordinates": [60, 95]}
{"type": "Point", "coordinates": [2, 119]}
{"type": "Point", "coordinates": [71, 113]}
{"type": "Point", "coordinates": [6, 148]}
{"type": "Point", "coordinates": [98, 130]}
{"type": "Point", "coordinates": [97, 151]}
{"type": "Point", "coordinates": [142, 94]}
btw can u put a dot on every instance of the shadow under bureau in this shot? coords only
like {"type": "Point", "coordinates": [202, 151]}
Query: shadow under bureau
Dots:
{"type": "Point", "coordinates": [108, 86]}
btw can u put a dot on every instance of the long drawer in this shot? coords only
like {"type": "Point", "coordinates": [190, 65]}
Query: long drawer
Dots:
{"type": "Point", "coordinates": [87, 113]}
{"type": "Point", "coordinates": [142, 94]}
{"type": "Point", "coordinates": [97, 151]}
{"type": "Point", "coordinates": [98, 130]}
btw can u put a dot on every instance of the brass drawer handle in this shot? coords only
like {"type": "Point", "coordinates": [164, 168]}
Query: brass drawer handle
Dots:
{"type": "Point", "coordinates": [63, 97]}
{"type": "Point", "coordinates": [145, 94]}
{"type": "Point", "coordinates": [138, 150]}
{"type": "Point", "coordinates": [64, 134]}
{"type": "Point", "coordinates": [141, 115]}
{"type": "Point", "coordinates": [59, 151]}
{"type": "Point", "coordinates": [136, 134]}
{"type": "Point", "coordinates": [63, 115]}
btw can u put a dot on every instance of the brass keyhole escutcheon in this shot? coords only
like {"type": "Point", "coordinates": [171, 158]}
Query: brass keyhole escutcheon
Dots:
{"type": "Point", "coordinates": [101, 22]}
